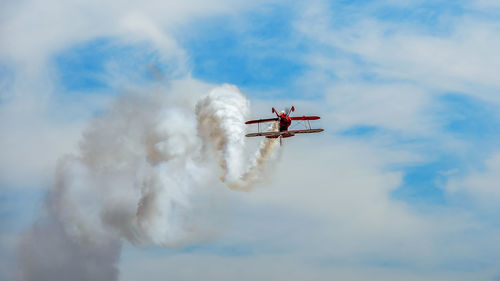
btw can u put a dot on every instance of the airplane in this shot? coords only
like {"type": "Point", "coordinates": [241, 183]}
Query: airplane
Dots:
{"type": "Point", "coordinates": [285, 121]}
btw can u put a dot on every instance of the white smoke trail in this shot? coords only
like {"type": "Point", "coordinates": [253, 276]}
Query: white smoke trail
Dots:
{"type": "Point", "coordinates": [265, 155]}
{"type": "Point", "coordinates": [221, 120]}
{"type": "Point", "coordinates": [221, 116]}
{"type": "Point", "coordinates": [145, 173]}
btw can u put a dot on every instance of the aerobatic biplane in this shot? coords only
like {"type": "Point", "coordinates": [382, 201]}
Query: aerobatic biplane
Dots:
{"type": "Point", "coordinates": [284, 121]}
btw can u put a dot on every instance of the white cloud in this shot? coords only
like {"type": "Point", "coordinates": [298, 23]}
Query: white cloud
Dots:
{"type": "Point", "coordinates": [328, 212]}
{"type": "Point", "coordinates": [482, 184]}
{"type": "Point", "coordinates": [31, 142]}
{"type": "Point", "coordinates": [390, 76]}
{"type": "Point", "coordinates": [36, 29]}
{"type": "Point", "coordinates": [275, 267]}
{"type": "Point", "coordinates": [32, 32]}
{"type": "Point", "coordinates": [485, 5]}
{"type": "Point", "coordinates": [463, 59]}
{"type": "Point", "coordinates": [347, 187]}
{"type": "Point", "coordinates": [394, 106]}
{"type": "Point", "coordinates": [343, 187]}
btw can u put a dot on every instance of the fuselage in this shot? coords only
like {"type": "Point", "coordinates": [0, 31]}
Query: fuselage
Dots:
{"type": "Point", "coordinates": [285, 122]}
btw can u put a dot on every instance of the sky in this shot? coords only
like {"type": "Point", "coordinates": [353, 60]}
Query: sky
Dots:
{"type": "Point", "coordinates": [403, 184]}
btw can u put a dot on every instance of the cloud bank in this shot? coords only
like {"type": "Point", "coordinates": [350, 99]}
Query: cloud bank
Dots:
{"type": "Point", "coordinates": [403, 185]}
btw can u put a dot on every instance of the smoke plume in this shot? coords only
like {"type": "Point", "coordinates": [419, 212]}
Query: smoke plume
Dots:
{"type": "Point", "coordinates": [145, 173]}
{"type": "Point", "coordinates": [221, 123]}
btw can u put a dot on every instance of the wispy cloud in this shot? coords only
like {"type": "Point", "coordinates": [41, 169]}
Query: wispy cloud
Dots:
{"type": "Point", "coordinates": [407, 91]}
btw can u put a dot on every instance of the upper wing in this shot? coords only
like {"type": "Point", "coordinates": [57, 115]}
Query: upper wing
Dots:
{"type": "Point", "coordinates": [305, 118]}
{"type": "Point", "coordinates": [261, 120]}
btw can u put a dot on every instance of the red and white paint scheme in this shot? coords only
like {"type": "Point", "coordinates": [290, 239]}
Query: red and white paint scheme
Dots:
{"type": "Point", "coordinates": [285, 121]}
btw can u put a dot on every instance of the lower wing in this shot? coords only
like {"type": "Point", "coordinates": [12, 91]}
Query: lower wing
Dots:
{"type": "Point", "coordinates": [284, 133]}
{"type": "Point", "coordinates": [265, 134]}
{"type": "Point", "coordinates": [308, 131]}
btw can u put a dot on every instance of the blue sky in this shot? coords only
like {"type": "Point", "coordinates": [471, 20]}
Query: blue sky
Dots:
{"type": "Point", "coordinates": [402, 185]}
{"type": "Point", "coordinates": [257, 51]}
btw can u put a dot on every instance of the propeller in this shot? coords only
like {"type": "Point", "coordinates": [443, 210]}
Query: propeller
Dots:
{"type": "Point", "coordinates": [288, 110]}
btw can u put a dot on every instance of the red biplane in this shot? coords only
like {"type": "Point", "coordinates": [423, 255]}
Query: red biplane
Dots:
{"type": "Point", "coordinates": [285, 121]}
